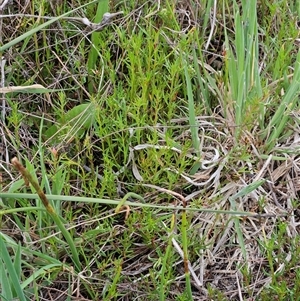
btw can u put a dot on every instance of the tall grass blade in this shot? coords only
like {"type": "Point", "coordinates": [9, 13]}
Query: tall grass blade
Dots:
{"type": "Point", "coordinates": [102, 8]}
{"type": "Point", "coordinates": [165, 269]}
{"type": "Point", "coordinates": [192, 118]}
{"type": "Point", "coordinates": [282, 114]}
{"type": "Point", "coordinates": [56, 218]}
{"type": "Point", "coordinates": [5, 283]}
{"type": "Point", "coordinates": [40, 273]}
{"type": "Point", "coordinates": [242, 64]}
{"type": "Point", "coordinates": [13, 274]}
{"type": "Point", "coordinates": [66, 198]}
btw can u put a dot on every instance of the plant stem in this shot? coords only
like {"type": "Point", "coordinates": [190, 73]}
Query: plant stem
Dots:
{"type": "Point", "coordinates": [28, 178]}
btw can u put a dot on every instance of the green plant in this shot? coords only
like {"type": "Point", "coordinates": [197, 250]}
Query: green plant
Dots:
{"type": "Point", "coordinates": [242, 63]}
{"type": "Point", "coordinates": [10, 274]}
{"type": "Point", "coordinates": [165, 143]}
{"type": "Point", "coordinates": [94, 55]}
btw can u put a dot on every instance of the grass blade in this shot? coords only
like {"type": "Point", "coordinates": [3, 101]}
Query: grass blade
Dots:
{"type": "Point", "coordinates": [15, 281]}
{"type": "Point", "coordinates": [281, 116]}
{"type": "Point", "coordinates": [192, 119]}
{"type": "Point", "coordinates": [103, 7]}
{"type": "Point", "coordinates": [40, 27]}
{"type": "Point", "coordinates": [56, 218]}
{"type": "Point", "coordinates": [246, 190]}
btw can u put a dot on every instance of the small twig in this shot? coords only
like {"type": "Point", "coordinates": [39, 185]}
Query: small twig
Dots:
{"type": "Point", "coordinates": [106, 20]}
{"type": "Point", "coordinates": [2, 6]}
{"type": "Point", "coordinates": [155, 12]}
{"type": "Point", "coordinates": [213, 23]}
{"type": "Point", "coordinates": [198, 283]}
{"type": "Point", "coordinates": [2, 64]}
{"type": "Point", "coordinates": [239, 287]}
{"type": "Point", "coordinates": [126, 210]}
{"type": "Point", "coordinates": [2, 83]}
{"type": "Point", "coordinates": [123, 204]}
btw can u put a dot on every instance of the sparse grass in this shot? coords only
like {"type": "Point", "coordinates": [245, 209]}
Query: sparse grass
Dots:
{"type": "Point", "coordinates": [167, 146]}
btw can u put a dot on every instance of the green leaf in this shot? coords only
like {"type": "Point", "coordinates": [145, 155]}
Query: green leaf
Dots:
{"type": "Point", "coordinates": [34, 89]}
{"type": "Point", "coordinates": [13, 276]}
{"type": "Point", "coordinates": [75, 122]}
{"type": "Point", "coordinates": [6, 293]}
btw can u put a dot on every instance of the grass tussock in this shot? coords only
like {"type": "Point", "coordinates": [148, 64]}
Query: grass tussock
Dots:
{"type": "Point", "coordinates": [156, 150]}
